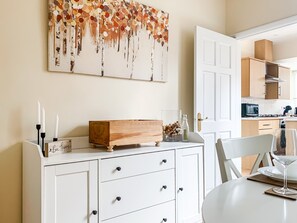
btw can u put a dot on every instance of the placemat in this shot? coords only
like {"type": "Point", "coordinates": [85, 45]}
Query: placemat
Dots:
{"type": "Point", "coordinates": [271, 192]}
{"type": "Point", "coordinates": [264, 179]}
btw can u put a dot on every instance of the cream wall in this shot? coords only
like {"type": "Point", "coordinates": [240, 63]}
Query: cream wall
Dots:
{"type": "Point", "coordinates": [281, 50]}
{"type": "Point", "coordinates": [245, 14]}
{"type": "Point", "coordinates": [285, 50]}
{"type": "Point", "coordinates": [79, 98]}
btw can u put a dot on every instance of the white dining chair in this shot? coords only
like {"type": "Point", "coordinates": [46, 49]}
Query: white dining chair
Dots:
{"type": "Point", "coordinates": [228, 149]}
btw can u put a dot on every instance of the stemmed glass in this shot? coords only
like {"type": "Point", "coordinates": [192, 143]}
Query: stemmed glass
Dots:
{"type": "Point", "coordinates": [284, 152]}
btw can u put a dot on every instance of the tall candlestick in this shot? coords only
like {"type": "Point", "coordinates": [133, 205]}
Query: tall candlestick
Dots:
{"type": "Point", "coordinates": [38, 112]}
{"type": "Point", "coordinates": [42, 143]}
{"type": "Point", "coordinates": [38, 126]}
{"type": "Point", "coordinates": [43, 120]}
{"type": "Point", "coordinates": [57, 127]}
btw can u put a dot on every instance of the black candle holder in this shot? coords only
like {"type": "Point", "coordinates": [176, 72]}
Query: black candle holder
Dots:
{"type": "Point", "coordinates": [38, 127]}
{"type": "Point", "coordinates": [42, 142]}
{"type": "Point", "coordinates": [55, 139]}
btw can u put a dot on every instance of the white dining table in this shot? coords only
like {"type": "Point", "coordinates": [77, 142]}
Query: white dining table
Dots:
{"type": "Point", "coordinates": [244, 201]}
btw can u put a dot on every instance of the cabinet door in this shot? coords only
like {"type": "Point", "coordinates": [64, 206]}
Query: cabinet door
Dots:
{"type": "Point", "coordinates": [190, 191]}
{"type": "Point", "coordinates": [284, 87]}
{"type": "Point", "coordinates": [257, 79]}
{"type": "Point", "coordinates": [71, 193]}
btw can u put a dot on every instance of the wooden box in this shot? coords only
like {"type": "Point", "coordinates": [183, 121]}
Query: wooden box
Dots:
{"type": "Point", "coordinates": [263, 50]}
{"type": "Point", "coordinates": [125, 132]}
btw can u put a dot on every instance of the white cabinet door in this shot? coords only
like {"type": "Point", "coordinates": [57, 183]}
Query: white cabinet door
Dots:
{"type": "Point", "coordinates": [71, 193]}
{"type": "Point", "coordinates": [190, 191]}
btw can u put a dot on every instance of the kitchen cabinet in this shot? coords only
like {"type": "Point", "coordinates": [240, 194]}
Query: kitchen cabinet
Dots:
{"type": "Point", "coordinates": [281, 88]}
{"type": "Point", "coordinates": [253, 78]}
{"type": "Point", "coordinates": [263, 50]}
{"type": "Point", "coordinates": [291, 123]}
{"type": "Point", "coordinates": [144, 184]}
{"type": "Point", "coordinates": [253, 127]}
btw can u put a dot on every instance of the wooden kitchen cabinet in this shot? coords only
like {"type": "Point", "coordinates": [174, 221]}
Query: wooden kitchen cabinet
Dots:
{"type": "Point", "coordinates": [263, 50]}
{"type": "Point", "coordinates": [258, 126]}
{"type": "Point", "coordinates": [291, 123]}
{"type": "Point", "coordinates": [284, 88]}
{"type": "Point", "coordinates": [254, 127]}
{"type": "Point", "coordinates": [253, 78]}
{"type": "Point", "coordinates": [278, 90]}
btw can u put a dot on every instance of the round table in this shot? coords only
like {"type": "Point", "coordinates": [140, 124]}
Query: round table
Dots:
{"type": "Point", "coordinates": [244, 201]}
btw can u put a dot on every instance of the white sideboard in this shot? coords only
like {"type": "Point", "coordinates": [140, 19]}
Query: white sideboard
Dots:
{"type": "Point", "coordinates": [144, 184]}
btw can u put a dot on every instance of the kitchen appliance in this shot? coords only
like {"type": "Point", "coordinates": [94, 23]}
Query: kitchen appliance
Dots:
{"type": "Point", "coordinates": [287, 109]}
{"type": "Point", "coordinates": [295, 111]}
{"type": "Point", "coordinates": [249, 110]}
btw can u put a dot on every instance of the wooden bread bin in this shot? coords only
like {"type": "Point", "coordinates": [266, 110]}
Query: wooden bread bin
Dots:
{"type": "Point", "coordinates": [112, 133]}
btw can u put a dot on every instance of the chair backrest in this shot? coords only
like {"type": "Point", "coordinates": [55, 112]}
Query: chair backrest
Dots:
{"type": "Point", "coordinates": [228, 149]}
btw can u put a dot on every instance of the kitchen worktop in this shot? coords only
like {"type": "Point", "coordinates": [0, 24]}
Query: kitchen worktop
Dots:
{"type": "Point", "coordinates": [286, 118]}
{"type": "Point", "coordinates": [263, 118]}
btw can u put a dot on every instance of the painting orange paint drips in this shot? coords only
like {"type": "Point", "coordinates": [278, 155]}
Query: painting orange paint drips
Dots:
{"type": "Point", "coordinates": [109, 22]}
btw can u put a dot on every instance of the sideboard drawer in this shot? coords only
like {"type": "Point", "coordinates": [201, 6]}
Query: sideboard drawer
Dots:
{"type": "Point", "coordinates": [135, 193]}
{"type": "Point", "coordinates": [157, 214]}
{"type": "Point", "coordinates": [120, 167]}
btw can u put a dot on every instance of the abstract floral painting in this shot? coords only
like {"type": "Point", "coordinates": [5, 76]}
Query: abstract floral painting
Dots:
{"type": "Point", "coordinates": [113, 38]}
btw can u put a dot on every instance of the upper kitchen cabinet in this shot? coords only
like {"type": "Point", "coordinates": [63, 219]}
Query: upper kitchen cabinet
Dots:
{"type": "Point", "coordinates": [253, 78]}
{"type": "Point", "coordinates": [278, 82]}
{"type": "Point", "coordinates": [263, 50]}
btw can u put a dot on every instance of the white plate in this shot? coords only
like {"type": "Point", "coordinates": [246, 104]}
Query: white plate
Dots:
{"type": "Point", "coordinates": [274, 173]}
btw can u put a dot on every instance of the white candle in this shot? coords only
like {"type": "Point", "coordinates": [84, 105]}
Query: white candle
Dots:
{"type": "Point", "coordinates": [57, 127]}
{"type": "Point", "coordinates": [43, 120]}
{"type": "Point", "coordinates": [38, 112]}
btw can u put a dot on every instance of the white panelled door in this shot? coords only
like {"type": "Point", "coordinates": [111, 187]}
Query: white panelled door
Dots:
{"type": "Point", "coordinates": [217, 94]}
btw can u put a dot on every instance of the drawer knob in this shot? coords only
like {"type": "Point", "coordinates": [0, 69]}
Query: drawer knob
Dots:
{"type": "Point", "coordinates": [118, 198]}
{"type": "Point", "coordinates": [94, 212]}
{"type": "Point", "coordinates": [164, 187]}
{"type": "Point", "coordinates": [180, 189]}
{"type": "Point", "coordinates": [118, 168]}
{"type": "Point", "coordinates": [164, 220]}
{"type": "Point", "coordinates": [164, 161]}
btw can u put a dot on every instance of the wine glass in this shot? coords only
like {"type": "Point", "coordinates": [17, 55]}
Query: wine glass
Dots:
{"type": "Point", "coordinates": [284, 152]}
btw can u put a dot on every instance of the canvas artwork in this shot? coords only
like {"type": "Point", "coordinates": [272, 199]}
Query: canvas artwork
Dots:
{"type": "Point", "coordinates": [113, 38]}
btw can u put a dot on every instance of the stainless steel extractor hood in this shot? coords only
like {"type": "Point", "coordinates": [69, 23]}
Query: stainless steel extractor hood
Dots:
{"type": "Point", "coordinates": [272, 79]}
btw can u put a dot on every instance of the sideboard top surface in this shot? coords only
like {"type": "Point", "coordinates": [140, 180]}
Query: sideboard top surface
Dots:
{"type": "Point", "coordinates": [90, 153]}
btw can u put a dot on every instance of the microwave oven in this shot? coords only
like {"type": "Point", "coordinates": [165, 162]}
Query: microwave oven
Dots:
{"type": "Point", "coordinates": [249, 110]}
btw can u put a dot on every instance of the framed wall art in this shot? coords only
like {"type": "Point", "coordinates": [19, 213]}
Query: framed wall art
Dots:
{"type": "Point", "coordinates": [112, 38]}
